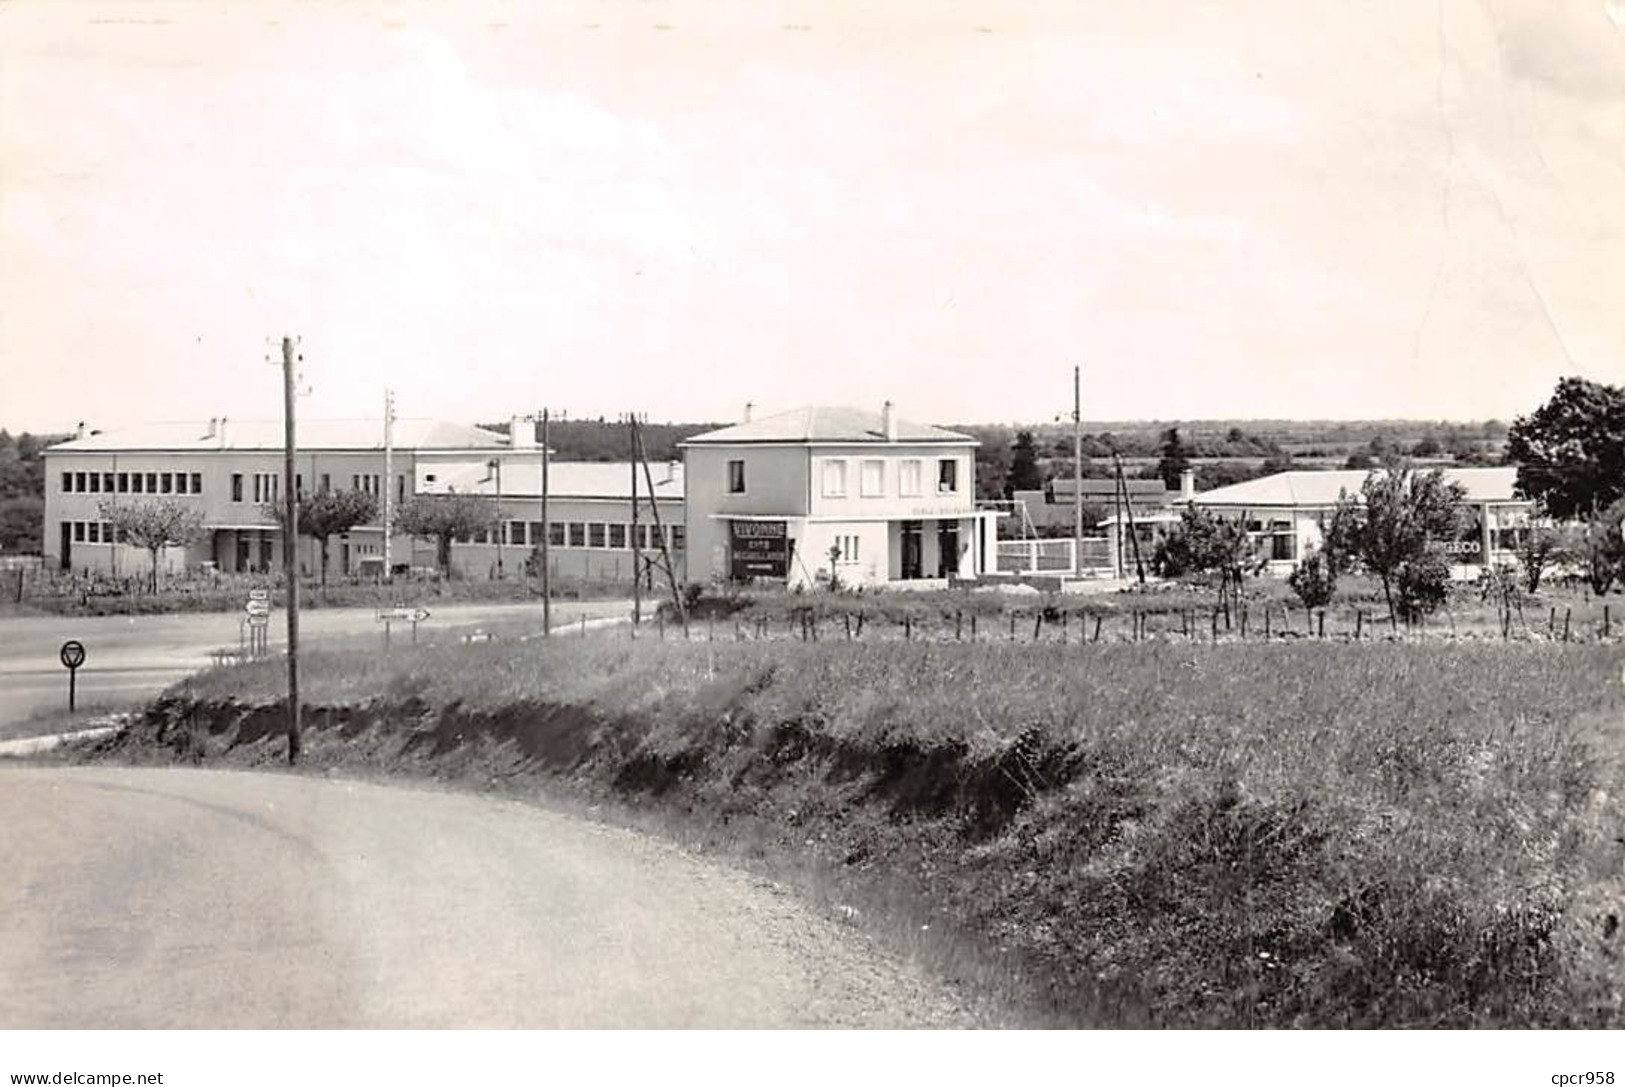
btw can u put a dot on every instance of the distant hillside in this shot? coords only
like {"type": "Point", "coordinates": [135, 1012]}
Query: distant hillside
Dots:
{"type": "Point", "coordinates": [604, 440]}
{"type": "Point", "coordinates": [22, 491]}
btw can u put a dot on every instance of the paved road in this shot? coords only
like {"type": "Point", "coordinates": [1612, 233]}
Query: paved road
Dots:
{"type": "Point", "coordinates": [129, 658]}
{"type": "Point", "coordinates": [197, 899]}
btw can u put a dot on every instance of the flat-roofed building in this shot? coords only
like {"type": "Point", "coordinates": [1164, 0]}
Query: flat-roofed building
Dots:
{"type": "Point", "coordinates": [1286, 513]}
{"type": "Point", "coordinates": [231, 470]}
{"type": "Point", "coordinates": [804, 495]}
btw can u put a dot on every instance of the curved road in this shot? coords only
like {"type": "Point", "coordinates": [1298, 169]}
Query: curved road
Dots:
{"type": "Point", "coordinates": [199, 899]}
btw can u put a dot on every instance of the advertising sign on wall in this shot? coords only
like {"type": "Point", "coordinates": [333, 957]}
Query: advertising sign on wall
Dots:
{"type": "Point", "coordinates": [759, 549]}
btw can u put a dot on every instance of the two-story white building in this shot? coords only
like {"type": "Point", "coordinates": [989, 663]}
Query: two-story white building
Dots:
{"type": "Point", "coordinates": [817, 492]}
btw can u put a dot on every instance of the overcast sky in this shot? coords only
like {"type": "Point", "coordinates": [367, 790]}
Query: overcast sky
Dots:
{"type": "Point", "coordinates": [1259, 208]}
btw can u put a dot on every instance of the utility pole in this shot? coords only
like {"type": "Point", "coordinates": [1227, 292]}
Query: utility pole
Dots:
{"type": "Point", "coordinates": [495, 465]}
{"type": "Point", "coordinates": [637, 544]}
{"type": "Point", "coordinates": [547, 533]}
{"type": "Point", "coordinates": [1077, 471]}
{"type": "Point", "coordinates": [389, 477]}
{"type": "Point", "coordinates": [290, 549]}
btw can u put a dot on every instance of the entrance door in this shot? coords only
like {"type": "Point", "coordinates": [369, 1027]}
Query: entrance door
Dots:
{"type": "Point", "coordinates": [913, 558]}
{"type": "Point", "coordinates": [242, 553]}
{"type": "Point", "coordinates": [947, 549]}
{"type": "Point", "coordinates": [67, 545]}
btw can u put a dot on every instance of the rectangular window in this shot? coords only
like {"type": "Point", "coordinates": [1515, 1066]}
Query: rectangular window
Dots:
{"type": "Point", "coordinates": [236, 486]}
{"type": "Point", "coordinates": [124, 483]}
{"type": "Point", "coordinates": [79, 483]}
{"type": "Point", "coordinates": [355, 483]}
{"type": "Point", "coordinates": [617, 536]}
{"type": "Point", "coordinates": [326, 482]}
{"type": "Point", "coordinates": [872, 481]}
{"type": "Point", "coordinates": [595, 535]}
{"type": "Point", "coordinates": [166, 482]}
{"type": "Point", "coordinates": [400, 488]}
{"type": "Point", "coordinates": [95, 483]}
{"type": "Point", "coordinates": [180, 482]}
{"type": "Point", "coordinates": [197, 482]}
{"type": "Point", "coordinates": [135, 482]}
{"type": "Point", "coordinates": [78, 532]}
{"type": "Point", "coordinates": [555, 534]}
{"type": "Point", "coordinates": [535, 534]}
{"type": "Point", "coordinates": [947, 476]}
{"type": "Point", "coordinates": [679, 537]}
{"type": "Point", "coordinates": [516, 534]}
{"type": "Point", "coordinates": [736, 477]}
{"type": "Point", "coordinates": [93, 532]}
{"type": "Point", "coordinates": [849, 548]}
{"type": "Point", "coordinates": [67, 482]}
{"type": "Point", "coordinates": [152, 482]}
{"type": "Point", "coordinates": [578, 534]}
{"type": "Point", "coordinates": [835, 479]}
{"type": "Point", "coordinates": [107, 482]}
{"type": "Point", "coordinates": [482, 536]}
{"type": "Point", "coordinates": [908, 478]}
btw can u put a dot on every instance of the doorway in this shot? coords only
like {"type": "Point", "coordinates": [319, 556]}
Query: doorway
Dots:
{"type": "Point", "coordinates": [913, 551]}
{"type": "Point", "coordinates": [67, 545]}
{"type": "Point", "coordinates": [947, 548]}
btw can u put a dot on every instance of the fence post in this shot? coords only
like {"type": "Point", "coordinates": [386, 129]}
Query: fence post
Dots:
{"type": "Point", "coordinates": [973, 626]}
{"type": "Point", "coordinates": [848, 617]}
{"type": "Point", "coordinates": [1098, 620]}
{"type": "Point", "coordinates": [1605, 623]}
{"type": "Point", "coordinates": [859, 632]}
{"type": "Point", "coordinates": [1359, 623]}
{"type": "Point", "coordinates": [1215, 624]}
{"type": "Point", "coordinates": [1038, 624]}
{"type": "Point", "coordinates": [710, 628]}
{"type": "Point", "coordinates": [1063, 628]}
{"type": "Point", "coordinates": [908, 628]}
{"type": "Point", "coordinates": [1567, 614]}
{"type": "Point", "coordinates": [660, 623]}
{"type": "Point", "coordinates": [1551, 623]}
{"type": "Point", "coordinates": [1266, 622]}
{"type": "Point", "coordinates": [1322, 622]}
{"type": "Point", "coordinates": [1244, 620]}
{"type": "Point", "coordinates": [1012, 626]}
{"type": "Point", "coordinates": [959, 622]}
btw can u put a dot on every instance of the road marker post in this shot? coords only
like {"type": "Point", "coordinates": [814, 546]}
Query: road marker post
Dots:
{"type": "Point", "coordinates": [73, 655]}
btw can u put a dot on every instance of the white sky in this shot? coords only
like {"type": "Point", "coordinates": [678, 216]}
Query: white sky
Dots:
{"type": "Point", "coordinates": [1259, 208]}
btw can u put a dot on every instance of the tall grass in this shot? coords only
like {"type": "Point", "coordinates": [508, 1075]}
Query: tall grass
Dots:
{"type": "Point", "coordinates": [1274, 834]}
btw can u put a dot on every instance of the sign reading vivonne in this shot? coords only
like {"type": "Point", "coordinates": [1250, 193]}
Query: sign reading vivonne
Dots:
{"type": "Point", "coordinates": [759, 549]}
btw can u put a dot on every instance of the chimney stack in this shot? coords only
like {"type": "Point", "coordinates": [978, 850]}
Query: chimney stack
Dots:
{"type": "Point", "coordinates": [521, 433]}
{"type": "Point", "coordinates": [888, 421]}
{"type": "Point", "coordinates": [1187, 485]}
{"type": "Point", "coordinates": [214, 428]}
{"type": "Point", "coordinates": [748, 407]}
{"type": "Point", "coordinates": [222, 433]}
{"type": "Point", "coordinates": [79, 430]}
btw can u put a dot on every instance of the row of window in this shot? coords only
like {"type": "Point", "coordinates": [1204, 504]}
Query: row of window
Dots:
{"type": "Point", "coordinates": [598, 534]}
{"type": "Point", "coordinates": [871, 477]}
{"type": "Point", "coordinates": [846, 548]}
{"type": "Point", "coordinates": [132, 482]}
{"type": "Point", "coordinates": [267, 486]}
{"type": "Point", "coordinates": [94, 532]}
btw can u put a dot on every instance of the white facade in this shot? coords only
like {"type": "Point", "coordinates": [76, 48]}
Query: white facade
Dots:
{"type": "Point", "coordinates": [825, 493]}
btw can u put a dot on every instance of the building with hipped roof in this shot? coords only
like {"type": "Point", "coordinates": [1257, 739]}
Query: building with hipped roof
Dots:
{"type": "Point", "coordinates": [815, 493]}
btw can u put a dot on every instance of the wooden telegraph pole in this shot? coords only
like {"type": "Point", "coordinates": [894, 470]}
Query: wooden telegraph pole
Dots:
{"type": "Point", "coordinates": [637, 544]}
{"type": "Point", "coordinates": [1077, 471]}
{"type": "Point", "coordinates": [547, 532]}
{"type": "Point", "coordinates": [290, 548]}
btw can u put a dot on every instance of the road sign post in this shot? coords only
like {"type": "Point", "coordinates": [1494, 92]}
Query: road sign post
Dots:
{"type": "Point", "coordinates": [414, 616]}
{"type": "Point", "coordinates": [73, 655]}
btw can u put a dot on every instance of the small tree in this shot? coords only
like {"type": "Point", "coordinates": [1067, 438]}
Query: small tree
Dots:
{"type": "Point", "coordinates": [1315, 579]}
{"type": "Point", "coordinates": [1205, 543]}
{"type": "Point", "coordinates": [327, 514]}
{"type": "Point", "coordinates": [1539, 550]}
{"type": "Point", "coordinates": [444, 518]}
{"type": "Point", "coordinates": [1597, 547]}
{"type": "Point", "coordinates": [1024, 474]}
{"type": "Point", "coordinates": [1175, 459]}
{"type": "Point", "coordinates": [1396, 522]}
{"type": "Point", "coordinates": [153, 525]}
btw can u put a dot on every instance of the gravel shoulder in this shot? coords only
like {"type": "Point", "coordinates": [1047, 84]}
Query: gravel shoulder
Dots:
{"type": "Point", "coordinates": [201, 899]}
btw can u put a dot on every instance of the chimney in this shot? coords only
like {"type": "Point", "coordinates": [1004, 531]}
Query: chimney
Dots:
{"type": "Point", "coordinates": [521, 433]}
{"type": "Point", "coordinates": [1187, 485]}
{"type": "Point", "coordinates": [222, 432]}
{"type": "Point", "coordinates": [671, 470]}
{"type": "Point", "coordinates": [214, 428]}
{"type": "Point", "coordinates": [748, 407]}
{"type": "Point", "coordinates": [888, 421]}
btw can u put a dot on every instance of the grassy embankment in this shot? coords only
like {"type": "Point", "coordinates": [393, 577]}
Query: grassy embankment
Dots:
{"type": "Point", "coordinates": [1244, 835]}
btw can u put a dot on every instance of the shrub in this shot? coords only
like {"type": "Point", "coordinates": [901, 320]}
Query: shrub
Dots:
{"type": "Point", "coordinates": [1314, 580]}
